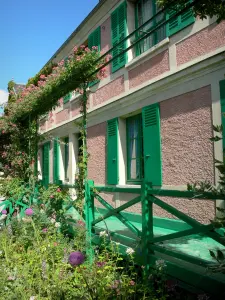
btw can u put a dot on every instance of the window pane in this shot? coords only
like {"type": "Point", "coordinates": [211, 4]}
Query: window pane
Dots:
{"type": "Point", "coordinates": [146, 9]}
{"type": "Point", "coordinates": [134, 148]}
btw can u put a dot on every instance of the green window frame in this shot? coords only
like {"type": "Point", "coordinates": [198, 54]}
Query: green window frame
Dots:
{"type": "Point", "coordinates": [135, 162]}
{"type": "Point", "coordinates": [144, 10]}
{"type": "Point", "coordinates": [66, 157]}
{"type": "Point", "coordinates": [118, 33]}
{"type": "Point", "coordinates": [180, 22]}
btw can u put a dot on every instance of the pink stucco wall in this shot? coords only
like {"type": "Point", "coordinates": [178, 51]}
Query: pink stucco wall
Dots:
{"type": "Point", "coordinates": [62, 116]}
{"type": "Point", "coordinates": [96, 143]}
{"type": "Point", "coordinates": [203, 42]}
{"type": "Point", "coordinates": [149, 69]}
{"type": "Point", "coordinates": [187, 153]}
{"type": "Point", "coordinates": [110, 90]}
{"type": "Point", "coordinates": [75, 107]}
{"type": "Point", "coordinates": [106, 40]}
{"type": "Point", "coordinates": [201, 210]}
{"type": "Point", "coordinates": [186, 126]}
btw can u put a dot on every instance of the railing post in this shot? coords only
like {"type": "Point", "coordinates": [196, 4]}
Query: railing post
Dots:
{"type": "Point", "coordinates": [147, 224]}
{"type": "Point", "coordinates": [89, 217]}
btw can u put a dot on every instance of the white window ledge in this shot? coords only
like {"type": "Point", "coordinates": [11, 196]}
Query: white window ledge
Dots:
{"type": "Point", "coordinates": [148, 54]}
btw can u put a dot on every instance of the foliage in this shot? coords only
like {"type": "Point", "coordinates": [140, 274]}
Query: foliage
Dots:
{"type": "Point", "coordinates": [18, 151]}
{"type": "Point", "coordinates": [11, 188]}
{"type": "Point", "coordinates": [79, 68]}
{"type": "Point", "coordinates": [45, 71]}
{"type": "Point", "coordinates": [34, 265]}
{"type": "Point", "coordinates": [12, 96]}
{"type": "Point", "coordinates": [201, 8]}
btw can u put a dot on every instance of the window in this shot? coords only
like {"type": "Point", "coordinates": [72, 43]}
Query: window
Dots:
{"type": "Point", "coordinates": [143, 148]}
{"type": "Point", "coordinates": [146, 9]}
{"type": "Point", "coordinates": [135, 166]}
{"type": "Point", "coordinates": [66, 157]}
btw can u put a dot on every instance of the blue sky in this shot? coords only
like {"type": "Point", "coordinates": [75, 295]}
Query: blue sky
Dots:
{"type": "Point", "coordinates": [32, 31]}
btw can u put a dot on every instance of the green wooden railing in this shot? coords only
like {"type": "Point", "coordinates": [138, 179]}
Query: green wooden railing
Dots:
{"type": "Point", "coordinates": [147, 197]}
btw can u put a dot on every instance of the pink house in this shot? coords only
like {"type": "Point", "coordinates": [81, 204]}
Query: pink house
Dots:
{"type": "Point", "coordinates": [152, 116]}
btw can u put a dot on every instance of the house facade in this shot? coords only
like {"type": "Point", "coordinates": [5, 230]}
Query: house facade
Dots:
{"type": "Point", "coordinates": [152, 116]}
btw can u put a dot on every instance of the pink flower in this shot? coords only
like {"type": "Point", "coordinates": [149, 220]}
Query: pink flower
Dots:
{"type": "Point", "coordinates": [51, 196]}
{"type": "Point", "coordinates": [4, 212]}
{"type": "Point", "coordinates": [44, 230]}
{"type": "Point", "coordinates": [75, 49]}
{"type": "Point", "coordinates": [82, 46]}
{"type": "Point", "coordinates": [58, 190]}
{"type": "Point", "coordinates": [87, 49]}
{"type": "Point", "coordinates": [29, 211]}
{"type": "Point", "coordinates": [132, 282]}
{"type": "Point", "coordinates": [43, 76]}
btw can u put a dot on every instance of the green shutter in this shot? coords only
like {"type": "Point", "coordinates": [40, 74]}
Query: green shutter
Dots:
{"type": "Point", "coordinates": [222, 103]}
{"type": "Point", "coordinates": [45, 164]}
{"type": "Point", "coordinates": [180, 22]}
{"type": "Point", "coordinates": [118, 33]}
{"type": "Point", "coordinates": [67, 98]}
{"type": "Point", "coordinates": [112, 152]}
{"type": "Point", "coordinates": [152, 144]}
{"type": "Point", "coordinates": [56, 161]}
{"type": "Point", "coordinates": [66, 162]}
{"type": "Point", "coordinates": [94, 39]}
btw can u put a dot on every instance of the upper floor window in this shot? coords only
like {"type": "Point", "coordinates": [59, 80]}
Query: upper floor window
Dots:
{"type": "Point", "coordinates": [145, 10]}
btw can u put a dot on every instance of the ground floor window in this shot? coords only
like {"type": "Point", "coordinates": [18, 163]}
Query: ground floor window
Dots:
{"type": "Point", "coordinates": [135, 164]}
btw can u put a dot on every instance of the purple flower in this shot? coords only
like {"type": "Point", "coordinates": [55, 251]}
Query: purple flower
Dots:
{"type": "Point", "coordinates": [76, 258]}
{"type": "Point", "coordinates": [4, 212]}
{"type": "Point", "coordinates": [44, 230]}
{"type": "Point", "coordinates": [29, 211]}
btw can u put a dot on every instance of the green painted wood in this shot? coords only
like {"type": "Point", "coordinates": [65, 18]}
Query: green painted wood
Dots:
{"type": "Point", "coordinates": [66, 156]}
{"type": "Point", "coordinates": [147, 225]}
{"type": "Point", "coordinates": [117, 189]}
{"type": "Point", "coordinates": [178, 255]}
{"type": "Point", "coordinates": [118, 33]}
{"type": "Point", "coordinates": [222, 104]}
{"type": "Point", "coordinates": [176, 235]}
{"type": "Point", "coordinates": [185, 194]}
{"type": "Point", "coordinates": [124, 220]}
{"type": "Point", "coordinates": [89, 217]}
{"type": "Point", "coordinates": [56, 160]}
{"type": "Point", "coordinates": [94, 39]}
{"type": "Point", "coordinates": [179, 22]}
{"type": "Point", "coordinates": [118, 209]}
{"type": "Point", "coordinates": [112, 152]}
{"type": "Point", "coordinates": [152, 144]}
{"type": "Point", "coordinates": [45, 164]}
{"type": "Point", "coordinates": [214, 235]}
